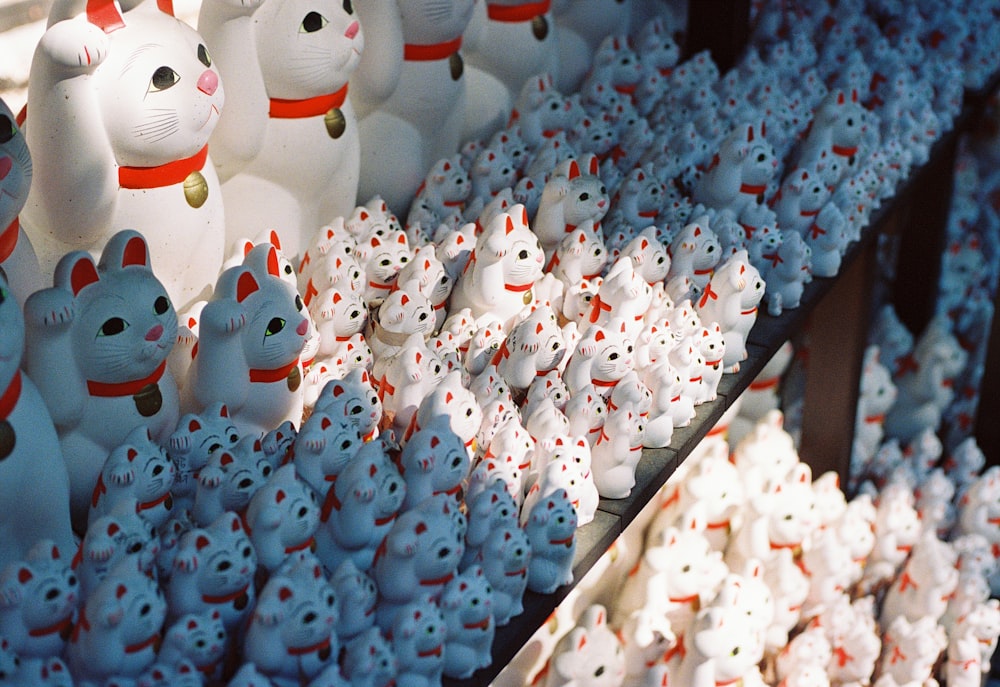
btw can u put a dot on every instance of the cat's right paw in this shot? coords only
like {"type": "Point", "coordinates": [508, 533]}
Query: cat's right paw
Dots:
{"type": "Point", "coordinates": [76, 44]}
{"type": "Point", "coordinates": [50, 308]}
{"type": "Point", "coordinates": [224, 316]}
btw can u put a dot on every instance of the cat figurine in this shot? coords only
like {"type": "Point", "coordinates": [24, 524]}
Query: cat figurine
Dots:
{"type": "Point", "coordinates": [590, 653]}
{"type": "Point", "coordinates": [356, 597]}
{"type": "Point", "coordinates": [359, 509]}
{"type": "Point", "coordinates": [490, 508]}
{"type": "Point", "coordinates": [573, 195]}
{"type": "Point", "coordinates": [198, 638]}
{"type": "Point", "coordinates": [30, 449]}
{"type": "Point", "coordinates": [731, 299]}
{"type": "Point", "coordinates": [277, 112]}
{"type": "Point", "coordinates": [194, 440]}
{"type": "Point", "coordinates": [39, 596]}
{"type": "Point", "coordinates": [369, 660]}
{"type": "Point", "coordinates": [213, 572]}
{"type": "Point", "coordinates": [119, 627]}
{"type": "Point", "coordinates": [624, 294]}
{"type": "Point", "coordinates": [435, 460]}
{"type": "Point", "coordinates": [467, 607]}
{"type": "Point", "coordinates": [17, 256]}
{"type": "Point", "coordinates": [251, 336]}
{"type": "Point", "coordinates": [229, 479]}
{"type": "Point", "coordinates": [138, 469]}
{"type": "Point", "coordinates": [292, 635]}
{"type": "Point", "coordinates": [138, 158]}
{"type": "Point", "coordinates": [180, 673]}
{"type": "Point", "coordinates": [616, 453]}
{"type": "Point", "coordinates": [102, 369]}
{"type": "Point", "coordinates": [504, 559]}
{"type": "Point", "coordinates": [412, 56]}
{"type": "Point", "coordinates": [324, 447]}
{"type": "Point", "coordinates": [601, 358]}
{"type": "Point", "coordinates": [382, 258]}
{"type": "Point", "coordinates": [281, 518]}
{"type": "Point", "coordinates": [418, 636]}
{"type": "Point", "coordinates": [121, 535]}
{"type": "Point", "coordinates": [534, 347]}
{"type": "Point", "coordinates": [502, 269]}
{"type": "Point", "coordinates": [403, 312]}
{"type": "Point", "coordinates": [568, 468]}
{"type": "Point", "coordinates": [356, 398]}
{"type": "Point", "coordinates": [551, 532]}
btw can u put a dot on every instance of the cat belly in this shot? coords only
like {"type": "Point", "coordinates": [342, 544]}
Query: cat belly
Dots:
{"type": "Point", "coordinates": [528, 58]}
{"type": "Point", "coordinates": [434, 103]}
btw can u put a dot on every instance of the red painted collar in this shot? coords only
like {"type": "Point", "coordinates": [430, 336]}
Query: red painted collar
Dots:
{"type": "Point", "coordinates": [330, 503]}
{"type": "Point", "coordinates": [516, 573]}
{"type": "Point", "coordinates": [413, 52]}
{"type": "Point", "coordinates": [845, 151]}
{"type": "Point", "coordinates": [517, 13]}
{"type": "Point", "coordinates": [9, 399]}
{"type": "Point", "coordinates": [307, 107]}
{"type": "Point", "coordinates": [436, 651]}
{"type": "Point", "coordinates": [148, 505]}
{"type": "Point", "coordinates": [162, 175]}
{"type": "Point", "coordinates": [518, 288]}
{"type": "Point", "coordinates": [225, 598]}
{"type": "Point", "coordinates": [567, 542]}
{"type": "Point", "coordinates": [144, 644]}
{"type": "Point", "coordinates": [8, 239]}
{"type": "Point", "coordinates": [311, 649]}
{"type": "Point", "coordinates": [300, 547]}
{"type": "Point", "coordinates": [278, 374]}
{"type": "Point", "coordinates": [437, 580]}
{"type": "Point", "coordinates": [596, 306]}
{"type": "Point", "coordinates": [603, 382]}
{"type": "Point", "coordinates": [809, 213]}
{"type": "Point", "coordinates": [115, 389]}
{"type": "Point", "coordinates": [753, 189]}
{"type": "Point", "coordinates": [648, 214]}
{"type": "Point", "coordinates": [626, 88]}
{"type": "Point", "coordinates": [61, 627]}
{"type": "Point", "coordinates": [816, 231]}
{"type": "Point", "coordinates": [483, 624]}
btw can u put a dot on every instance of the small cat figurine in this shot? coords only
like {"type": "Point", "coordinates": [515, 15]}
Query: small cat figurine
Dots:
{"type": "Point", "coordinates": [138, 158]}
{"type": "Point", "coordinates": [356, 597]}
{"type": "Point", "coordinates": [355, 397]}
{"type": "Point", "coordinates": [324, 447]}
{"type": "Point", "coordinates": [445, 188]}
{"type": "Point", "coordinates": [213, 572]}
{"type": "Point", "coordinates": [118, 630]}
{"type": "Point", "coordinates": [502, 269]}
{"type": "Point", "coordinates": [491, 508]}
{"type": "Point", "coordinates": [568, 468]}
{"type": "Point", "coordinates": [359, 509]}
{"type": "Point", "coordinates": [616, 453]}
{"type": "Point", "coordinates": [38, 600]}
{"type": "Point", "coordinates": [369, 660]}
{"type": "Point", "coordinates": [100, 361]}
{"type": "Point", "coordinates": [581, 255]}
{"type": "Point", "coordinates": [281, 518]}
{"type": "Point", "coordinates": [138, 469]}
{"type": "Point", "coordinates": [252, 333]}
{"type": "Point", "coordinates": [382, 258]}
{"type": "Point", "coordinates": [121, 535]}
{"type": "Point", "coordinates": [624, 294]}
{"type": "Point", "coordinates": [602, 357]}
{"type": "Point", "coordinates": [505, 557]}
{"type": "Point", "coordinates": [534, 347]}
{"type": "Point", "coordinates": [229, 479]}
{"type": "Point", "coordinates": [180, 673]}
{"type": "Point", "coordinates": [194, 440]}
{"type": "Point", "coordinates": [291, 636]}
{"type": "Point", "coordinates": [198, 638]}
{"type": "Point", "coordinates": [434, 461]}
{"type": "Point", "coordinates": [17, 256]}
{"type": "Point", "coordinates": [403, 312]}
{"type": "Point", "coordinates": [568, 200]}
{"type": "Point", "coordinates": [418, 635]}
{"type": "Point", "coordinates": [467, 607]}
{"type": "Point", "coordinates": [29, 450]}
{"type": "Point", "coordinates": [277, 112]}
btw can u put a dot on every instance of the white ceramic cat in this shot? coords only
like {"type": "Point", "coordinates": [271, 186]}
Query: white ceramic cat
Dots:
{"type": "Point", "coordinates": [568, 468]}
{"type": "Point", "coordinates": [356, 597]}
{"type": "Point", "coordinates": [589, 654]}
{"type": "Point", "coordinates": [198, 638]}
{"type": "Point", "coordinates": [504, 265]}
{"type": "Point", "coordinates": [435, 459]}
{"type": "Point", "coordinates": [616, 453]}
{"type": "Point", "coordinates": [467, 607]}
{"type": "Point", "coordinates": [280, 111]}
{"type": "Point", "coordinates": [551, 530]}
{"type": "Point", "coordinates": [113, 538]}
{"type": "Point", "coordinates": [382, 257]}
{"type": "Point", "coordinates": [229, 479]}
{"type": "Point", "coordinates": [38, 598]}
{"type": "Point", "coordinates": [252, 334]}
{"type": "Point", "coordinates": [409, 92]}
{"type": "Point", "coordinates": [191, 444]}
{"type": "Point", "coordinates": [100, 362]}
{"type": "Point", "coordinates": [573, 195]}
{"type": "Point", "coordinates": [119, 626]}
{"type": "Point", "coordinates": [369, 660]}
{"type": "Point", "coordinates": [731, 299]}
{"type": "Point", "coordinates": [30, 448]}
{"type": "Point", "coordinates": [694, 252]}
{"type": "Point", "coordinates": [602, 357]}
{"type": "Point", "coordinates": [281, 518]}
{"type": "Point", "coordinates": [624, 294]}
{"type": "Point", "coordinates": [534, 347]}
{"type": "Point", "coordinates": [505, 558]}
{"type": "Point", "coordinates": [213, 571]}
{"type": "Point", "coordinates": [740, 172]}
{"type": "Point", "coordinates": [135, 159]}
{"type": "Point", "coordinates": [17, 256]}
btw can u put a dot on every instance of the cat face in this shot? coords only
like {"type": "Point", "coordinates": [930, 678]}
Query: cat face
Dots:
{"type": "Point", "coordinates": [356, 596]}
{"type": "Point", "coordinates": [125, 324]}
{"type": "Point", "coordinates": [220, 556]}
{"type": "Point", "coordinates": [447, 182]}
{"type": "Point", "coordinates": [113, 538]}
{"type": "Point", "coordinates": [403, 311]}
{"type": "Point", "coordinates": [307, 49]}
{"type": "Point", "coordinates": [356, 398]}
{"type": "Point", "coordinates": [48, 591]}
{"type": "Point", "coordinates": [614, 354]}
{"type": "Point", "coordinates": [196, 437]}
{"type": "Point", "coordinates": [586, 198]}
{"type": "Point", "coordinates": [15, 167]}
{"type": "Point", "coordinates": [384, 257]}
{"type": "Point", "coordinates": [201, 638]}
{"type": "Point", "coordinates": [305, 602]}
{"type": "Point", "coordinates": [239, 473]}
{"type": "Point", "coordinates": [138, 469]}
{"type": "Point", "coordinates": [161, 97]}
{"type": "Point", "coordinates": [469, 598]}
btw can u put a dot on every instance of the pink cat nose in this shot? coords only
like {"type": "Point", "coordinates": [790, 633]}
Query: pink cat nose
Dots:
{"type": "Point", "coordinates": [302, 328]}
{"type": "Point", "coordinates": [155, 333]}
{"type": "Point", "coordinates": [6, 164]}
{"type": "Point", "coordinates": [352, 30]}
{"type": "Point", "coordinates": [208, 82]}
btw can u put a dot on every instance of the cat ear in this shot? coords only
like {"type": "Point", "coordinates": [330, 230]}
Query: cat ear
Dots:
{"type": "Point", "coordinates": [401, 238]}
{"type": "Point", "coordinates": [574, 170]}
{"type": "Point", "coordinates": [76, 271]}
{"type": "Point", "coordinates": [273, 268]}
{"type": "Point", "coordinates": [245, 285]}
{"type": "Point", "coordinates": [105, 15]}
{"type": "Point", "coordinates": [594, 166]}
{"type": "Point", "coordinates": [510, 225]}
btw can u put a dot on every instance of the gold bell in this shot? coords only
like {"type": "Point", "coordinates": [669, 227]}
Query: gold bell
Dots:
{"type": "Point", "coordinates": [540, 27]}
{"type": "Point", "coordinates": [294, 379]}
{"type": "Point", "coordinates": [528, 298]}
{"type": "Point", "coordinates": [195, 189]}
{"type": "Point", "coordinates": [335, 123]}
{"type": "Point", "coordinates": [457, 66]}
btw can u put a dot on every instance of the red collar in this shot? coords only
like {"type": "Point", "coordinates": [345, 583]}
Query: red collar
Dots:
{"type": "Point", "coordinates": [162, 175]}
{"type": "Point", "coordinates": [437, 580]}
{"type": "Point", "coordinates": [517, 13]}
{"type": "Point", "coordinates": [845, 151]}
{"type": "Point", "coordinates": [82, 625]}
{"type": "Point", "coordinates": [773, 257]}
{"type": "Point", "coordinates": [683, 599]}
{"type": "Point", "coordinates": [376, 285]}
{"type": "Point", "coordinates": [307, 107]}
{"type": "Point", "coordinates": [518, 288]}
{"type": "Point", "coordinates": [144, 644]}
{"type": "Point", "coordinates": [436, 651]}
{"type": "Point", "coordinates": [763, 384]}
{"type": "Point", "coordinates": [752, 189]}
{"type": "Point", "coordinates": [596, 306]}
{"type": "Point", "coordinates": [516, 573]}
{"type": "Point", "coordinates": [311, 649]}
{"type": "Point", "coordinates": [717, 525]}
{"type": "Point", "coordinates": [9, 399]}
{"type": "Point", "coordinates": [225, 598]}
{"type": "Point", "coordinates": [648, 214]}
{"type": "Point", "coordinates": [706, 295]}
{"type": "Point", "coordinates": [502, 353]}
{"type": "Point", "coordinates": [626, 88]}
{"type": "Point", "coordinates": [300, 547]}
{"type": "Point", "coordinates": [603, 382]}
{"type": "Point", "coordinates": [872, 419]}
{"type": "Point", "coordinates": [792, 547]}
{"type": "Point", "coordinates": [809, 213]}
{"type": "Point", "coordinates": [384, 521]}
{"type": "Point", "coordinates": [413, 52]}
{"type": "Point", "coordinates": [702, 273]}
{"type": "Point", "coordinates": [816, 231]}
{"type": "Point", "coordinates": [567, 542]}
{"type": "Point", "coordinates": [8, 239]}
{"type": "Point", "coordinates": [148, 505]}
{"type": "Point", "coordinates": [62, 627]}
{"type": "Point", "coordinates": [115, 389]}
{"type": "Point", "coordinates": [278, 374]}
{"type": "Point", "coordinates": [751, 311]}
{"type": "Point", "coordinates": [330, 503]}
{"type": "Point", "coordinates": [483, 624]}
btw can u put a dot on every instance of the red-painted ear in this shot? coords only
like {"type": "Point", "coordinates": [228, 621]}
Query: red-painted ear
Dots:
{"type": "Point", "coordinates": [235, 525]}
{"type": "Point", "coordinates": [104, 15]}
{"type": "Point", "coordinates": [404, 299]}
{"type": "Point", "coordinates": [434, 442]}
{"type": "Point", "coordinates": [697, 231]}
{"type": "Point", "coordinates": [275, 240]}
{"type": "Point", "coordinates": [594, 168]}
{"type": "Point", "coordinates": [201, 542]}
{"type": "Point", "coordinates": [449, 397]}
{"type": "Point", "coordinates": [840, 98]}
{"type": "Point", "coordinates": [131, 454]}
{"type": "Point", "coordinates": [510, 225]}
{"type": "Point", "coordinates": [192, 624]}
{"type": "Point", "coordinates": [83, 274]}
{"type": "Point", "coordinates": [582, 643]}
{"type": "Point", "coordinates": [113, 529]}
{"type": "Point", "coordinates": [24, 575]}
{"type": "Point", "coordinates": [245, 286]}
{"type": "Point", "coordinates": [325, 423]}
{"type": "Point", "coordinates": [574, 170]}
{"type": "Point", "coordinates": [284, 594]}
{"type": "Point", "coordinates": [194, 426]}
{"type": "Point", "coordinates": [121, 591]}
{"type": "Point", "coordinates": [272, 263]}
{"type": "Point", "coordinates": [135, 253]}
{"type": "Point", "coordinates": [375, 242]}
{"type": "Point", "coordinates": [337, 297]}
{"type": "Point", "coordinates": [623, 327]}
{"type": "Point", "coordinates": [420, 528]}
{"type": "Point", "coordinates": [599, 336]}
{"type": "Point", "coordinates": [401, 238]}
{"type": "Point", "coordinates": [763, 128]}
{"type": "Point", "coordinates": [372, 470]}
{"type": "Point", "coordinates": [279, 496]}
{"type": "Point", "coordinates": [583, 238]}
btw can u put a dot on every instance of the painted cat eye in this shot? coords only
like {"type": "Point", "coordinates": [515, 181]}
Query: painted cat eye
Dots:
{"type": "Point", "coordinates": [203, 55]}
{"type": "Point", "coordinates": [7, 129]}
{"type": "Point", "coordinates": [274, 326]}
{"type": "Point", "coordinates": [161, 305]}
{"type": "Point", "coordinates": [312, 22]}
{"type": "Point", "coordinates": [112, 326]}
{"type": "Point", "coordinates": [348, 7]}
{"type": "Point", "coordinates": [163, 78]}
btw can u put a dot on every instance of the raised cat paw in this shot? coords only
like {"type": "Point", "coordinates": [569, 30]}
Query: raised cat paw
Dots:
{"type": "Point", "coordinates": [76, 44]}
{"type": "Point", "coordinates": [224, 316]}
{"type": "Point", "coordinates": [50, 308]}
